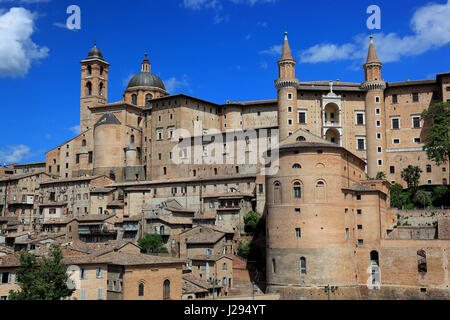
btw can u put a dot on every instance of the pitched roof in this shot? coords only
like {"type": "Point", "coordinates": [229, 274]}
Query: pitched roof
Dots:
{"type": "Point", "coordinates": [107, 118]}
{"type": "Point", "coordinates": [205, 237]}
{"type": "Point", "coordinates": [131, 259]}
{"type": "Point", "coordinates": [198, 282]}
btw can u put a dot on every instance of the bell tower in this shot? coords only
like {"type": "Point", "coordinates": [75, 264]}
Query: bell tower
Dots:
{"type": "Point", "coordinates": [94, 85]}
{"type": "Point", "coordinates": [375, 113]}
{"type": "Point", "coordinates": [287, 86]}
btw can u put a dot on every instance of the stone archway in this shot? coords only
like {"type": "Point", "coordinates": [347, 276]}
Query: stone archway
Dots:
{"type": "Point", "coordinates": [333, 136]}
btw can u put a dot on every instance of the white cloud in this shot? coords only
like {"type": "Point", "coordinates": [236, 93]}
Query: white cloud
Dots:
{"type": "Point", "coordinates": [273, 51]}
{"type": "Point", "coordinates": [14, 153]}
{"type": "Point", "coordinates": [75, 129]}
{"type": "Point", "coordinates": [430, 27]}
{"type": "Point", "coordinates": [217, 6]}
{"type": "Point", "coordinates": [17, 50]}
{"type": "Point", "coordinates": [173, 84]}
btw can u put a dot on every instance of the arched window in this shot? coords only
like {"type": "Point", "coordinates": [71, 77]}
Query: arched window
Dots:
{"type": "Point", "coordinates": [224, 266]}
{"type": "Point", "coordinates": [421, 261]}
{"type": "Point", "coordinates": [297, 190]}
{"type": "Point", "coordinates": [132, 139]}
{"type": "Point", "coordinates": [320, 184]}
{"type": "Point", "coordinates": [134, 99]}
{"type": "Point", "coordinates": [141, 290]}
{"type": "Point", "coordinates": [83, 143]}
{"type": "Point", "coordinates": [320, 192]}
{"type": "Point", "coordinates": [274, 266]}
{"type": "Point", "coordinates": [301, 138]}
{"type": "Point", "coordinates": [89, 88]}
{"type": "Point", "coordinates": [277, 194]}
{"type": "Point", "coordinates": [166, 290]}
{"type": "Point", "coordinates": [374, 257]}
{"type": "Point", "coordinates": [302, 265]}
{"type": "Point", "coordinates": [89, 70]}
{"type": "Point", "coordinates": [296, 166]}
{"type": "Point", "coordinates": [148, 99]}
{"type": "Point", "coordinates": [100, 89]}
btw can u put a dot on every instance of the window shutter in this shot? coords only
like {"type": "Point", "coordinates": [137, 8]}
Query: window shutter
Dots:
{"type": "Point", "coordinates": [9, 277]}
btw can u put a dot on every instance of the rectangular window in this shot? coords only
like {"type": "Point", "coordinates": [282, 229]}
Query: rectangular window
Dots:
{"type": "Point", "coordinates": [378, 136]}
{"type": "Point", "coordinates": [377, 111]}
{"type": "Point", "coordinates": [359, 211]}
{"type": "Point", "coordinates": [377, 100]}
{"type": "Point", "coordinates": [396, 141]}
{"type": "Point", "coordinates": [302, 117]}
{"type": "Point", "coordinates": [378, 123]}
{"type": "Point", "coordinates": [290, 122]}
{"type": "Point", "coordinates": [380, 162]}
{"type": "Point", "coordinates": [394, 99]}
{"type": "Point", "coordinates": [99, 273]}
{"type": "Point", "coordinates": [360, 242]}
{"type": "Point", "coordinates": [395, 123]}
{"type": "Point", "coordinates": [417, 140]}
{"type": "Point", "coordinates": [416, 122]}
{"type": "Point", "coordinates": [83, 295]}
{"type": "Point", "coordinates": [298, 233]}
{"type": "Point", "coordinates": [297, 210]}
{"type": "Point", "coordinates": [100, 294]}
{"type": "Point", "coordinates": [360, 227]}
{"type": "Point", "coordinates": [379, 149]}
{"type": "Point", "coordinates": [346, 234]}
{"type": "Point", "coordinates": [83, 274]}
{"type": "Point", "coordinates": [361, 144]}
{"type": "Point", "coordinates": [358, 197]}
{"type": "Point", "coordinates": [360, 118]}
{"type": "Point", "coordinates": [392, 169]}
{"type": "Point", "coordinates": [90, 157]}
{"type": "Point", "coordinates": [415, 97]}
{"type": "Point", "coordinates": [260, 188]}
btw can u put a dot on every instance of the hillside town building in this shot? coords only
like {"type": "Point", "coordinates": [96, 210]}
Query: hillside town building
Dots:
{"type": "Point", "coordinates": [189, 170]}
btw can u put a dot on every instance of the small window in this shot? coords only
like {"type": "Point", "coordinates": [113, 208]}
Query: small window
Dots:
{"type": "Point", "coordinates": [301, 138]}
{"type": "Point", "coordinates": [302, 117]}
{"type": "Point", "coordinates": [416, 122]}
{"type": "Point", "coordinates": [297, 210]}
{"type": "Point", "coordinates": [303, 265]}
{"type": "Point", "coordinates": [360, 118]}
{"type": "Point", "coordinates": [415, 97]}
{"type": "Point", "coordinates": [417, 140]}
{"type": "Point", "coordinates": [394, 99]}
{"type": "Point", "coordinates": [395, 123]}
{"type": "Point", "coordinates": [358, 197]}
{"type": "Point", "coordinates": [296, 166]}
{"type": "Point", "coordinates": [361, 144]}
{"type": "Point", "coordinates": [429, 168]}
{"type": "Point", "coordinates": [360, 242]}
{"type": "Point", "coordinates": [134, 99]}
{"type": "Point", "coordinates": [297, 190]}
{"type": "Point", "coordinates": [396, 141]}
{"type": "Point", "coordinates": [392, 169]}
{"type": "Point", "coordinates": [298, 233]}
{"type": "Point", "coordinates": [141, 290]}
{"type": "Point", "coordinates": [274, 266]}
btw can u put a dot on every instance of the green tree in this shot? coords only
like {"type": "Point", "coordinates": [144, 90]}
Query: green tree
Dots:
{"type": "Point", "coordinates": [152, 243]}
{"type": "Point", "coordinates": [380, 176]}
{"type": "Point", "coordinates": [251, 221]}
{"type": "Point", "coordinates": [244, 249]}
{"type": "Point", "coordinates": [44, 280]}
{"type": "Point", "coordinates": [397, 200]}
{"type": "Point", "coordinates": [437, 142]}
{"type": "Point", "coordinates": [440, 195]}
{"type": "Point", "coordinates": [422, 198]}
{"type": "Point", "coordinates": [412, 176]}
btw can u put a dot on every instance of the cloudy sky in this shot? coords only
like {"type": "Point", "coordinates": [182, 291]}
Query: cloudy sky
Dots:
{"type": "Point", "coordinates": [212, 49]}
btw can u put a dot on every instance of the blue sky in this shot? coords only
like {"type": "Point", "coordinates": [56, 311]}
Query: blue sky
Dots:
{"type": "Point", "coordinates": [212, 49]}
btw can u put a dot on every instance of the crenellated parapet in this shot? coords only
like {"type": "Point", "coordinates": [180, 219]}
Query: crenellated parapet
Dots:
{"type": "Point", "coordinates": [374, 85]}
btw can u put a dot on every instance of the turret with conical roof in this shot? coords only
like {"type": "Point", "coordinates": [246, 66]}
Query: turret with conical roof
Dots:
{"type": "Point", "coordinates": [372, 67]}
{"type": "Point", "coordinates": [375, 113]}
{"type": "Point", "coordinates": [287, 86]}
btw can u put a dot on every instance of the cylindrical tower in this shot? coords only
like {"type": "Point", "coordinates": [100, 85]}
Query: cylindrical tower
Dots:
{"type": "Point", "coordinates": [287, 86]}
{"type": "Point", "coordinates": [309, 228]}
{"type": "Point", "coordinates": [375, 113]}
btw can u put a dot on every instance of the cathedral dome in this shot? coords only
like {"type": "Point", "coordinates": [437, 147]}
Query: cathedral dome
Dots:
{"type": "Point", "coordinates": [146, 79]}
{"type": "Point", "coordinates": [95, 53]}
